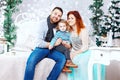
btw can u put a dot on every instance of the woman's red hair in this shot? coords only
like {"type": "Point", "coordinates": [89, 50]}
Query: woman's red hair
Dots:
{"type": "Point", "coordinates": [79, 21]}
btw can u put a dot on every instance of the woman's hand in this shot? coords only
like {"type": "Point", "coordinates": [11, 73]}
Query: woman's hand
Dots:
{"type": "Point", "coordinates": [73, 54]}
{"type": "Point", "coordinates": [66, 44]}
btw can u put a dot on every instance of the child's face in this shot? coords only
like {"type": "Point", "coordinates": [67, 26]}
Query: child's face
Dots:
{"type": "Point", "coordinates": [62, 27]}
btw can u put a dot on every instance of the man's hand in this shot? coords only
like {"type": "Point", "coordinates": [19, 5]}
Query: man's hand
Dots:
{"type": "Point", "coordinates": [50, 47]}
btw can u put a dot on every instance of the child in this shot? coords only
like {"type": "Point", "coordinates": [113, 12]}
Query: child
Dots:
{"type": "Point", "coordinates": [63, 33]}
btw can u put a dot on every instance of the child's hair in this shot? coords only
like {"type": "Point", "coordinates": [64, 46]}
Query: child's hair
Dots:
{"type": "Point", "coordinates": [63, 21]}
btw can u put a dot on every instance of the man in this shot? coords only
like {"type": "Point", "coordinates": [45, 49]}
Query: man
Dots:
{"type": "Point", "coordinates": [46, 33]}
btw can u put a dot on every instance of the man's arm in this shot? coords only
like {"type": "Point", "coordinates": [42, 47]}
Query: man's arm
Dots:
{"type": "Point", "coordinates": [42, 31]}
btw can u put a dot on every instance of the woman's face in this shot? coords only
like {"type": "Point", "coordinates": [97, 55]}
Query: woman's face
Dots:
{"type": "Point", "coordinates": [71, 20]}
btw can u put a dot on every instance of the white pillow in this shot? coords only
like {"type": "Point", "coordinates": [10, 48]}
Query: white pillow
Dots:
{"type": "Point", "coordinates": [27, 34]}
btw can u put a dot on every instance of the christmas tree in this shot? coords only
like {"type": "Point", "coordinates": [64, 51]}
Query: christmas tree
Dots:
{"type": "Point", "coordinates": [112, 20]}
{"type": "Point", "coordinates": [96, 19]}
{"type": "Point", "coordinates": [9, 26]}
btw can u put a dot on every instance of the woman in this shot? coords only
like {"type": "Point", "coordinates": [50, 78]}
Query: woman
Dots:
{"type": "Point", "coordinates": [79, 52]}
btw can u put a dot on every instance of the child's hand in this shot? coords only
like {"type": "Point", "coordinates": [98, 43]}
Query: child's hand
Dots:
{"type": "Point", "coordinates": [58, 42]}
{"type": "Point", "coordinates": [50, 47]}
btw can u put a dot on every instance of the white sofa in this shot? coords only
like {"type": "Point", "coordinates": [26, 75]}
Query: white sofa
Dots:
{"type": "Point", "coordinates": [12, 67]}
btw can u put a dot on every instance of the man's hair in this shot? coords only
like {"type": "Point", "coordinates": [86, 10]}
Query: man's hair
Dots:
{"type": "Point", "coordinates": [58, 9]}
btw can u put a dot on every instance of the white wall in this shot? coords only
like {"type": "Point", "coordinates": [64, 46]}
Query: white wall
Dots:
{"type": "Point", "coordinates": [42, 8]}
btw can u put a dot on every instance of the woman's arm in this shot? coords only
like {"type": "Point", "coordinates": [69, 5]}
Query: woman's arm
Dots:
{"type": "Point", "coordinates": [85, 41]}
{"type": "Point", "coordinates": [84, 38]}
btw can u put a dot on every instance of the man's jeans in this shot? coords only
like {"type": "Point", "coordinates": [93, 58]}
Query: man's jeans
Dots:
{"type": "Point", "coordinates": [37, 55]}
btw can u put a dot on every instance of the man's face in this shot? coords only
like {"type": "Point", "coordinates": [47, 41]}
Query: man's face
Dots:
{"type": "Point", "coordinates": [55, 16]}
